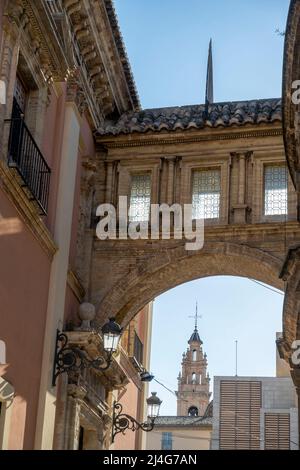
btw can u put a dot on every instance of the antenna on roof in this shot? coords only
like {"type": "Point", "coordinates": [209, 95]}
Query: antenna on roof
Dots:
{"type": "Point", "coordinates": [236, 358]}
{"type": "Point", "coordinates": [209, 93]}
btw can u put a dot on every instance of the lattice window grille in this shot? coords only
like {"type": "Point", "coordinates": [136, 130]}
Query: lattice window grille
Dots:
{"type": "Point", "coordinates": [206, 194]}
{"type": "Point", "coordinates": [140, 198]}
{"type": "Point", "coordinates": [276, 190]}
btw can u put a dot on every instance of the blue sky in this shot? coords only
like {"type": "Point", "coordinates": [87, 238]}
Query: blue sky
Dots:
{"type": "Point", "coordinates": [232, 309]}
{"type": "Point", "coordinates": [167, 43]}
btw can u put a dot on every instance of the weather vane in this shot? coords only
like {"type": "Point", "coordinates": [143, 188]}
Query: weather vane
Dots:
{"type": "Point", "coordinates": [196, 316]}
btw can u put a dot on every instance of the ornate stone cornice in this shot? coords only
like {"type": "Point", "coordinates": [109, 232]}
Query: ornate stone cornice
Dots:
{"type": "Point", "coordinates": [77, 41]}
{"type": "Point", "coordinates": [26, 210]}
{"type": "Point", "coordinates": [106, 83]}
{"type": "Point", "coordinates": [189, 138]}
{"type": "Point", "coordinates": [31, 18]}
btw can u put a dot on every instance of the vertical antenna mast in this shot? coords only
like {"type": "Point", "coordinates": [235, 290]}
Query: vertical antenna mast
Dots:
{"type": "Point", "coordinates": [236, 358]}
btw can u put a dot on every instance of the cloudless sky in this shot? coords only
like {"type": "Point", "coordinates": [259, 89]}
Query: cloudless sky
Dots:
{"type": "Point", "coordinates": [167, 44]}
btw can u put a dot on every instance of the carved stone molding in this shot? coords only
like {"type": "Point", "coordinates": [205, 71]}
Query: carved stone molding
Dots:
{"type": "Point", "coordinates": [76, 34]}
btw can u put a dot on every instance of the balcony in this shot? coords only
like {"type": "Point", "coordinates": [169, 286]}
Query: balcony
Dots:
{"type": "Point", "coordinates": [26, 159]}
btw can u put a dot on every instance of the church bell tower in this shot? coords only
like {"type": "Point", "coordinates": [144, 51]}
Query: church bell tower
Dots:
{"type": "Point", "coordinates": [193, 381]}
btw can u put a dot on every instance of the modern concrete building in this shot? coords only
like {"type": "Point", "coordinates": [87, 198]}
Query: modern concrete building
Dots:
{"type": "Point", "coordinates": [255, 413]}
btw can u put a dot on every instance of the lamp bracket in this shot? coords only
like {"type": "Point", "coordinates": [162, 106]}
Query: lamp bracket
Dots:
{"type": "Point", "coordinates": [71, 358]}
{"type": "Point", "coordinates": [122, 421]}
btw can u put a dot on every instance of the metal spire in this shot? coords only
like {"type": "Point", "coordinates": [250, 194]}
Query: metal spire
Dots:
{"type": "Point", "coordinates": [209, 93]}
{"type": "Point", "coordinates": [196, 316]}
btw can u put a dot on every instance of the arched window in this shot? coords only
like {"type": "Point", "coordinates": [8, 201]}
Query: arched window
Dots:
{"type": "Point", "coordinates": [193, 378]}
{"type": "Point", "coordinates": [193, 411]}
{"type": "Point", "coordinates": [194, 355]}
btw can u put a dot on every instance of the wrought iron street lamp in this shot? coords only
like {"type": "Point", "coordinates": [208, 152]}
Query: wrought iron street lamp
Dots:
{"type": "Point", "coordinates": [122, 421]}
{"type": "Point", "coordinates": [145, 376]}
{"type": "Point", "coordinates": [72, 358]}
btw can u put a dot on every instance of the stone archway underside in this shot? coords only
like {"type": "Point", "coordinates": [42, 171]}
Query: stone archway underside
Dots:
{"type": "Point", "coordinates": [156, 273]}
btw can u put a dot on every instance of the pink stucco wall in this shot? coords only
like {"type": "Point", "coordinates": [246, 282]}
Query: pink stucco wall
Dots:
{"type": "Point", "coordinates": [129, 402]}
{"type": "Point", "coordinates": [132, 399]}
{"type": "Point", "coordinates": [24, 280]}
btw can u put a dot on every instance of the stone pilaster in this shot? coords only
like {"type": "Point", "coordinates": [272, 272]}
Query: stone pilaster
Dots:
{"type": "Point", "coordinates": [240, 209]}
{"type": "Point", "coordinates": [171, 170]}
{"type": "Point", "coordinates": [59, 273]}
{"type": "Point", "coordinates": [84, 237]}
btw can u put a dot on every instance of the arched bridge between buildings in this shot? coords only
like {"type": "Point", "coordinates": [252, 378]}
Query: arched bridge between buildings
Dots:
{"type": "Point", "coordinates": [239, 141]}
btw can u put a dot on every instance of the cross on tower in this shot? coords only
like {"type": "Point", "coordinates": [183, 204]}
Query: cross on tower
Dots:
{"type": "Point", "coordinates": [196, 316]}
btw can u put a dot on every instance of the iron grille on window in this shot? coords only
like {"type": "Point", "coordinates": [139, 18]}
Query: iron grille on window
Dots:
{"type": "Point", "coordinates": [26, 158]}
{"type": "Point", "coordinates": [206, 194]}
{"type": "Point", "coordinates": [276, 190]}
{"type": "Point", "coordinates": [140, 198]}
{"type": "Point", "coordinates": [166, 441]}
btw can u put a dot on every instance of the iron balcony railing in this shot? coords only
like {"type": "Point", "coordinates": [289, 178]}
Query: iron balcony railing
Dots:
{"type": "Point", "coordinates": [25, 156]}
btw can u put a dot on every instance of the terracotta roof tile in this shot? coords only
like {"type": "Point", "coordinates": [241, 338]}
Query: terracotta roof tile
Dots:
{"type": "Point", "coordinates": [226, 114]}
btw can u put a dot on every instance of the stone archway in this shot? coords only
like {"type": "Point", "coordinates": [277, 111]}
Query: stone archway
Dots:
{"type": "Point", "coordinates": [176, 266]}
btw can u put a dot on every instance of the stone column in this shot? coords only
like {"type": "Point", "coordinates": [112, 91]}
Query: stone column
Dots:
{"type": "Point", "coordinates": [58, 274]}
{"type": "Point", "coordinates": [109, 178]}
{"type": "Point", "coordinates": [85, 230]}
{"type": "Point", "coordinates": [177, 179]}
{"type": "Point", "coordinates": [240, 209]}
{"type": "Point", "coordinates": [170, 190]}
{"type": "Point", "coordinates": [242, 179]}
